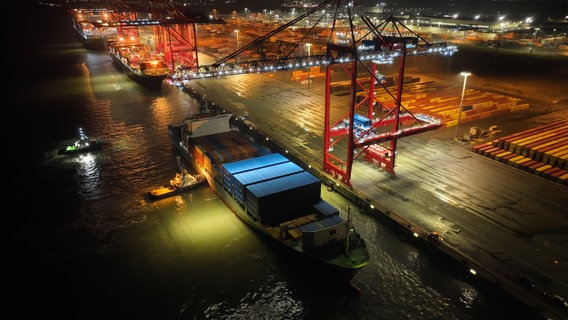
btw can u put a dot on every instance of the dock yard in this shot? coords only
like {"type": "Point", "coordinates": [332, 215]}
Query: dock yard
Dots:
{"type": "Point", "coordinates": [483, 209]}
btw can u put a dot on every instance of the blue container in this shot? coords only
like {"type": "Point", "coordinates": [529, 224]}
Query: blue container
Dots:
{"type": "Point", "coordinates": [326, 209]}
{"type": "Point", "coordinates": [240, 180]}
{"type": "Point", "coordinates": [281, 199]}
{"type": "Point", "coordinates": [254, 163]}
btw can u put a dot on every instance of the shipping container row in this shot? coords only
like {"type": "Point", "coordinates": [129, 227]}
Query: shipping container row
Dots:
{"type": "Point", "coordinates": [542, 151]}
{"type": "Point", "coordinates": [270, 188]}
{"type": "Point", "coordinates": [443, 102]}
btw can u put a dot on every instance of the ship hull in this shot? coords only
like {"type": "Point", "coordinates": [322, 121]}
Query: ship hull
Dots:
{"type": "Point", "coordinates": [149, 81]}
{"type": "Point", "coordinates": [310, 265]}
{"type": "Point", "coordinates": [94, 145]}
{"type": "Point", "coordinates": [167, 191]}
{"type": "Point", "coordinates": [89, 31]}
{"type": "Point", "coordinates": [94, 44]}
{"type": "Point", "coordinates": [98, 43]}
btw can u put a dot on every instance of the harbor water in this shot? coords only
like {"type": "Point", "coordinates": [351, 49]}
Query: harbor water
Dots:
{"type": "Point", "coordinates": [84, 241]}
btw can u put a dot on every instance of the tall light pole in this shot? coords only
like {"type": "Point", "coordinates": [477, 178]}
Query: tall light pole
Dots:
{"type": "Point", "coordinates": [465, 74]}
{"type": "Point", "coordinates": [309, 45]}
{"type": "Point", "coordinates": [534, 38]}
{"type": "Point", "coordinates": [237, 32]}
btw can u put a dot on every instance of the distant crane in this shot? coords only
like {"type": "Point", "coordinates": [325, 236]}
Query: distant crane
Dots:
{"type": "Point", "coordinates": [173, 31]}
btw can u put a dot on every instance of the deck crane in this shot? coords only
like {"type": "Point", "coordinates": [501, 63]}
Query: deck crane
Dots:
{"type": "Point", "coordinates": [358, 131]}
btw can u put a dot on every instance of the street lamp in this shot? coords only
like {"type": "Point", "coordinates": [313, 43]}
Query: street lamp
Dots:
{"type": "Point", "coordinates": [309, 45]}
{"type": "Point", "coordinates": [534, 38]}
{"type": "Point", "coordinates": [465, 74]}
{"type": "Point", "coordinates": [237, 32]}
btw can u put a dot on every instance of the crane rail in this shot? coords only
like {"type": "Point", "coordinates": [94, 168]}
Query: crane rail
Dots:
{"type": "Point", "coordinates": [184, 73]}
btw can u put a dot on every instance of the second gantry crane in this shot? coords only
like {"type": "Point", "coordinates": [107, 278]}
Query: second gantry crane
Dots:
{"type": "Point", "coordinates": [172, 31]}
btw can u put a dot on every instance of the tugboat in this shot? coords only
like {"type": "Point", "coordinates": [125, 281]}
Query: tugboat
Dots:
{"type": "Point", "coordinates": [83, 144]}
{"type": "Point", "coordinates": [183, 181]}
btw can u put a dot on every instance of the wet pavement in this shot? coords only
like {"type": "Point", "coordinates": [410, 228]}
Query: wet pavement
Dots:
{"type": "Point", "coordinates": [507, 225]}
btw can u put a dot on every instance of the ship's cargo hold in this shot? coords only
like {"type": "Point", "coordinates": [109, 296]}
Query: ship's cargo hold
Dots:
{"type": "Point", "coordinates": [275, 201]}
{"type": "Point", "coordinates": [237, 183]}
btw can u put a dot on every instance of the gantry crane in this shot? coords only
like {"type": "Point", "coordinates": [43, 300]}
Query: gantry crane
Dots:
{"type": "Point", "coordinates": [173, 33]}
{"type": "Point", "coordinates": [360, 131]}
{"type": "Point", "coordinates": [367, 133]}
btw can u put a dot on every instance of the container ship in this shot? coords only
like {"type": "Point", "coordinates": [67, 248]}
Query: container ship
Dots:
{"type": "Point", "coordinates": [92, 28]}
{"type": "Point", "coordinates": [272, 195]}
{"type": "Point", "coordinates": [139, 63]}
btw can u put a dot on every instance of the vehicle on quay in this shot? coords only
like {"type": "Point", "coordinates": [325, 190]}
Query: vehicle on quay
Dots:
{"type": "Point", "coordinates": [183, 181]}
{"type": "Point", "coordinates": [82, 144]}
{"type": "Point", "coordinates": [272, 195]}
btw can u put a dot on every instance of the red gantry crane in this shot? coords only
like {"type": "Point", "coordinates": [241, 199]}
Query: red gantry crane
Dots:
{"type": "Point", "coordinates": [173, 33]}
{"type": "Point", "coordinates": [356, 48]}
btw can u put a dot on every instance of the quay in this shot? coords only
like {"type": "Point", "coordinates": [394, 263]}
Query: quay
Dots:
{"type": "Point", "coordinates": [502, 225]}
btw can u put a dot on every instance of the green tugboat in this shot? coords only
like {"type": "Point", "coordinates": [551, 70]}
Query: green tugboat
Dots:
{"type": "Point", "coordinates": [83, 144]}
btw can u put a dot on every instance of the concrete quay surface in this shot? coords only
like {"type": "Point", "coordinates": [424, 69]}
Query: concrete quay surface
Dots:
{"type": "Point", "coordinates": [507, 225]}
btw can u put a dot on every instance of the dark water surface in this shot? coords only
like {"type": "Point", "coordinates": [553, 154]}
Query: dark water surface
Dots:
{"type": "Point", "coordinates": [84, 243]}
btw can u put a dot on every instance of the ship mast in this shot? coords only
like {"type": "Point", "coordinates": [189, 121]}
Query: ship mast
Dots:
{"type": "Point", "coordinates": [348, 225]}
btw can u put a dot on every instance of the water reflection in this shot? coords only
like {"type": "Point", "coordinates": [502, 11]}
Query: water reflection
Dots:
{"type": "Point", "coordinates": [468, 296]}
{"type": "Point", "coordinates": [89, 176]}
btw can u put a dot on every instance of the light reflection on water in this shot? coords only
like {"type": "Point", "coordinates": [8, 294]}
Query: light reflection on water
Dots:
{"type": "Point", "coordinates": [89, 176]}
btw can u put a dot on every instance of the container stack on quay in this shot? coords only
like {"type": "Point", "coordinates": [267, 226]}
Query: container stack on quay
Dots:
{"type": "Point", "coordinates": [438, 101]}
{"type": "Point", "coordinates": [542, 151]}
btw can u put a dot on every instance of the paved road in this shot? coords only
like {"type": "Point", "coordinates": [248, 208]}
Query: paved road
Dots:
{"type": "Point", "coordinates": [506, 224]}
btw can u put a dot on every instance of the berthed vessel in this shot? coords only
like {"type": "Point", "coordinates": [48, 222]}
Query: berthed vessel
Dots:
{"type": "Point", "coordinates": [139, 63]}
{"type": "Point", "coordinates": [271, 194]}
{"type": "Point", "coordinates": [92, 27]}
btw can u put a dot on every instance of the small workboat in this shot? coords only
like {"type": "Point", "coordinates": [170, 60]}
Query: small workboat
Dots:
{"type": "Point", "coordinates": [183, 181]}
